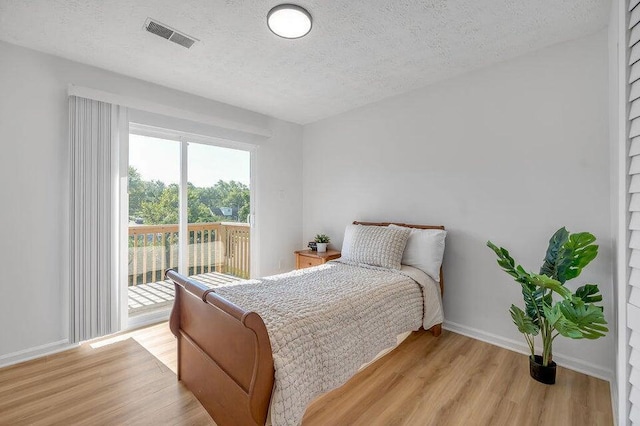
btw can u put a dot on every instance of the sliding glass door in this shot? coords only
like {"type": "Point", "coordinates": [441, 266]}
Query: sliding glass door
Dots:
{"type": "Point", "coordinates": [189, 209]}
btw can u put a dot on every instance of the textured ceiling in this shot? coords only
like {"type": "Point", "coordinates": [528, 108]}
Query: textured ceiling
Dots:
{"type": "Point", "coordinates": [357, 52]}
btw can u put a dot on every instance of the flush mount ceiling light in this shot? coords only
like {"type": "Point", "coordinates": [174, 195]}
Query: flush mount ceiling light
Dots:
{"type": "Point", "coordinates": [289, 21]}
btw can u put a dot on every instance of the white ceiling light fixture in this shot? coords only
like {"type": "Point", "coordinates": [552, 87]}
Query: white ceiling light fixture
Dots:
{"type": "Point", "coordinates": [289, 21]}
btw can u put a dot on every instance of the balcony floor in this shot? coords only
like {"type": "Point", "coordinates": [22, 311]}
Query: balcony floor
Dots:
{"type": "Point", "coordinates": [145, 298]}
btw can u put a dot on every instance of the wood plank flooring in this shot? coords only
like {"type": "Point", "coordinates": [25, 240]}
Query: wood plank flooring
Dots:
{"type": "Point", "coordinates": [455, 380]}
{"type": "Point", "coordinates": [450, 380]}
{"type": "Point", "coordinates": [116, 384]}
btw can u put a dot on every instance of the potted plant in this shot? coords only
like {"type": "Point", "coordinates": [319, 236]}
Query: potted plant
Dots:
{"type": "Point", "coordinates": [551, 309]}
{"type": "Point", "coordinates": [321, 242]}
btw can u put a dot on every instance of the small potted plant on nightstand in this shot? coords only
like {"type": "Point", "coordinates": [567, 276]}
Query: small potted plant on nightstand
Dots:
{"type": "Point", "coordinates": [321, 242]}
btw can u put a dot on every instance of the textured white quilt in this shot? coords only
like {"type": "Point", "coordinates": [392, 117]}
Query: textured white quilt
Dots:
{"type": "Point", "coordinates": [325, 322]}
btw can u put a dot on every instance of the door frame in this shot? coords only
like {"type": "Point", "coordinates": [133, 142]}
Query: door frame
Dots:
{"type": "Point", "coordinates": [183, 138]}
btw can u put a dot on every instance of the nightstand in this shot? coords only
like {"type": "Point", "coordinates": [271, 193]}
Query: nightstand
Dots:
{"type": "Point", "coordinates": [309, 258]}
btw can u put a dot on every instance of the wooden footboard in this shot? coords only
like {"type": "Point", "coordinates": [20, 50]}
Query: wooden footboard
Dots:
{"type": "Point", "coordinates": [224, 354]}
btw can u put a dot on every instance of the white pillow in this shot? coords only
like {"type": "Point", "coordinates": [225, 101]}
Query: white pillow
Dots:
{"type": "Point", "coordinates": [424, 250]}
{"type": "Point", "coordinates": [347, 241]}
{"type": "Point", "coordinates": [374, 245]}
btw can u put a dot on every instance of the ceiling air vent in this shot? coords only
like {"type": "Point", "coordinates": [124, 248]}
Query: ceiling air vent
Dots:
{"type": "Point", "coordinates": [169, 33]}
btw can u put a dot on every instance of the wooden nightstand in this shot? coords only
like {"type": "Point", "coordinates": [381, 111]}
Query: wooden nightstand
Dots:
{"type": "Point", "coordinates": [309, 258]}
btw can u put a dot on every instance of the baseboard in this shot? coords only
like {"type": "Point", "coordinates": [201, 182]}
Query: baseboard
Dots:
{"type": "Point", "coordinates": [520, 347]}
{"type": "Point", "coordinates": [36, 352]}
{"type": "Point", "coordinates": [63, 345]}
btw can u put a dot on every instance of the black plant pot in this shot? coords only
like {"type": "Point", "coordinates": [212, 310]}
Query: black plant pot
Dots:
{"type": "Point", "coordinates": [546, 375]}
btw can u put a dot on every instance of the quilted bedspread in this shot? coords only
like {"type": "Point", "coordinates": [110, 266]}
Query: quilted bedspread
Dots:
{"type": "Point", "coordinates": [325, 322]}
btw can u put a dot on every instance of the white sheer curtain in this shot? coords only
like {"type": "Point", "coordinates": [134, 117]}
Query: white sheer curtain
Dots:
{"type": "Point", "coordinates": [96, 129]}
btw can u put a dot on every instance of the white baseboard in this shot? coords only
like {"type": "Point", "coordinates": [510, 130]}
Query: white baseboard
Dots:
{"type": "Point", "coordinates": [562, 360]}
{"type": "Point", "coordinates": [36, 352]}
{"type": "Point", "coordinates": [63, 345]}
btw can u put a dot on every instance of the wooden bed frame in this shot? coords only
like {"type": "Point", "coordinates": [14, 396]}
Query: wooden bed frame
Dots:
{"type": "Point", "coordinates": [224, 352]}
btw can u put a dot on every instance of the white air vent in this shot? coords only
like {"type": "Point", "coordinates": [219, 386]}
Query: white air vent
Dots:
{"type": "Point", "coordinates": [169, 33]}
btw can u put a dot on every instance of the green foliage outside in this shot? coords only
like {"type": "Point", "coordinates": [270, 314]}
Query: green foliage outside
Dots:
{"type": "Point", "coordinates": [574, 314]}
{"type": "Point", "coordinates": [155, 203]}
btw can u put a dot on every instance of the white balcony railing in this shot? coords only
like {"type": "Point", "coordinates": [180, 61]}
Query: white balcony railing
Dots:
{"type": "Point", "coordinates": [212, 247]}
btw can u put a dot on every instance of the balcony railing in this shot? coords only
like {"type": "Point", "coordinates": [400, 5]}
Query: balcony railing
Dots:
{"type": "Point", "coordinates": [212, 247]}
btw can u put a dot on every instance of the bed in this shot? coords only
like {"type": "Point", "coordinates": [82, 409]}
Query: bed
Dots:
{"type": "Point", "coordinates": [225, 352]}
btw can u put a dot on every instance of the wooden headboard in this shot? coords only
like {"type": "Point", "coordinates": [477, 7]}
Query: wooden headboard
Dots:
{"type": "Point", "coordinates": [406, 225]}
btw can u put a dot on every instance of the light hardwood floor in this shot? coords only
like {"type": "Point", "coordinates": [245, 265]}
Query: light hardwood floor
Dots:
{"type": "Point", "coordinates": [450, 380]}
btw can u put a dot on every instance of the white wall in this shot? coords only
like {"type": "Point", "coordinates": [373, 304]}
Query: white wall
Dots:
{"type": "Point", "coordinates": [35, 190]}
{"type": "Point", "coordinates": [508, 153]}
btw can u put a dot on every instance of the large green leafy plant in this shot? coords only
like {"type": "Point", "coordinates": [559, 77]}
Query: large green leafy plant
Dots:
{"type": "Point", "coordinates": [574, 315]}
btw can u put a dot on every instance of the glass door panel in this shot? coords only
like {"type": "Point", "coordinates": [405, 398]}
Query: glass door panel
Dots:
{"type": "Point", "coordinates": [154, 176]}
{"type": "Point", "coordinates": [218, 209]}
